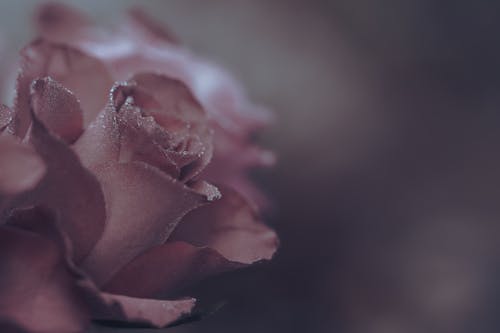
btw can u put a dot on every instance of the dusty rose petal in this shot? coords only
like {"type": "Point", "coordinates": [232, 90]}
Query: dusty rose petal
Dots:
{"type": "Point", "coordinates": [168, 268]}
{"type": "Point", "coordinates": [39, 294]}
{"type": "Point", "coordinates": [100, 142]}
{"type": "Point", "coordinates": [101, 306]}
{"type": "Point", "coordinates": [122, 133]}
{"type": "Point", "coordinates": [127, 151]}
{"type": "Point", "coordinates": [68, 189]}
{"type": "Point", "coordinates": [149, 312]}
{"type": "Point", "coordinates": [20, 166]}
{"type": "Point", "coordinates": [152, 119]}
{"type": "Point", "coordinates": [231, 227]}
{"type": "Point", "coordinates": [140, 141]}
{"type": "Point", "coordinates": [83, 75]}
{"type": "Point", "coordinates": [57, 108]}
{"type": "Point", "coordinates": [143, 137]}
{"type": "Point", "coordinates": [143, 206]}
{"type": "Point", "coordinates": [182, 115]}
{"type": "Point", "coordinates": [220, 236]}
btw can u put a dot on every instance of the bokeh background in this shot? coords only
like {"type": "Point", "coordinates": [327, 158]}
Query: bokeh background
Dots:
{"type": "Point", "coordinates": [386, 194]}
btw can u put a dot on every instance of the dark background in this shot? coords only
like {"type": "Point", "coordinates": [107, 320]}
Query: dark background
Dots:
{"type": "Point", "coordinates": [388, 184]}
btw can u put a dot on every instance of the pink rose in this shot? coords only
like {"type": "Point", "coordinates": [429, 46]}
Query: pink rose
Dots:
{"type": "Point", "coordinates": [122, 177]}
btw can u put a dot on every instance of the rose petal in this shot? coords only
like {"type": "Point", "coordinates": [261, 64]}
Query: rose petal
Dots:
{"type": "Point", "coordinates": [38, 291]}
{"type": "Point", "coordinates": [84, 75]}
{"type": "Point", "coordinates": [143, 203]}
{"type": "Point", "coordinates": [143, 206]}
{"type": "Point", "coordinates": [68, 189]}
{"type": "Point", "coordinates": [101, 306]}
{"type": "Point", "coordinates": [20, 166]}
{"type": "Point", "coordinates": [141, 138]}
{"type": "Point", "coordinates": [218, 237]}
{"type": "Point", "coordinates": [231, 227]}
{"type": "Point", "coordinates": [57, 108]}
{"type": "Point", "coordinates": [122, 133]}
{"type": "Point", "coordinates": [152, 119]}
{"type": "Point", "coordinates": [148, 312]}
{"type": "Point", "coordinates": [182, 115]}
{"type": "Point", "coordinates": [168, 268]}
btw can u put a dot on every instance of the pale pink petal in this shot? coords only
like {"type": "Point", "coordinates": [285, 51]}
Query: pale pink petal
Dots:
{"type": "Point", "coordinates": [39, 293]}
{"type": "Point", "coordinates": [57, 108]}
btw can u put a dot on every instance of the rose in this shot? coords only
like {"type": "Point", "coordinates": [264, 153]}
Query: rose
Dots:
{"type": "Point", "coordinates": [141, 45]}
{"type": "Point", "coordinates": [106, 197]}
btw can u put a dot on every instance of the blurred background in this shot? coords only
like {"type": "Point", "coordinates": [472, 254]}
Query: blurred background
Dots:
{"type": "Point", "coordinates": [388, 134]}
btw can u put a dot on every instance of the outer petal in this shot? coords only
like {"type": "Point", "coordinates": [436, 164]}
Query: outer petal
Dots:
{"type": "Point", "coordinates": [57, 108]}
{"type": "Point", "coordinates": [231, 227]}
{"type": "Point", "coordinates": [39, 294]}
{"type": "Point", "coordinates": [115, 309]}
{"type": "Point", "coordinates": [84, 75]}
{"type": "Point", "coordinates": [20, 166]}
{"type": "Point", "coordinates": [221, 236]}
{"type": "Point", "coordinates": [167, 268]}
{"type": "Point", "coordinates": [67, 188]}
{"type": "Point", "coordinates": [143, 205]}
{"type": "Point", "coordinates": [100, 306]}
